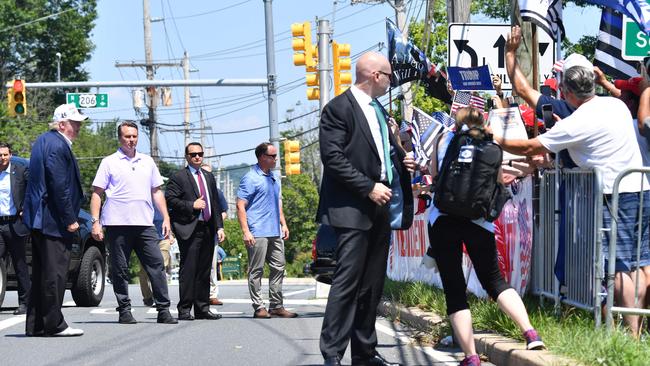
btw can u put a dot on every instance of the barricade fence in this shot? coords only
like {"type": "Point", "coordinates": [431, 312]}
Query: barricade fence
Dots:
{"type": "Point", "coordinates": [567, 256]}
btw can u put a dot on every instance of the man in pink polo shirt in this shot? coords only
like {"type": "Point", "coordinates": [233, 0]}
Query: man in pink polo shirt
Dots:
{"type": "Point", "coordinates": [131, 180]}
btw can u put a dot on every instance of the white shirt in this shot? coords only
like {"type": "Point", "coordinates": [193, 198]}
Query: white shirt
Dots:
{"type": "Point", "coordinates": [207, 191]}
{"type": "Point", "coordinates": [66, 139]}
{"type": "Point", "coordinates": [600, 134]}
{"type": "Point", "coordinates": [371, 116]}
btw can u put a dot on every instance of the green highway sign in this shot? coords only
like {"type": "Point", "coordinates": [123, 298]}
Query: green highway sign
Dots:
{"type": "Point", "coordinates": [636, 44]}
{"type": "Point", "coordinates": [88, 100]}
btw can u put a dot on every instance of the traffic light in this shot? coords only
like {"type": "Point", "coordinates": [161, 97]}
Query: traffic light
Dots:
{"type": "Point", "coordinates": [305, 51]}
{"type": "Point", "coordinates": [341, 61]}
{"type": "Point", "coordinates": [312, 80]}
{"type": "Point", "coordinates": [291, 157]}
{"type": "Point", "coordinates": [17, 98]}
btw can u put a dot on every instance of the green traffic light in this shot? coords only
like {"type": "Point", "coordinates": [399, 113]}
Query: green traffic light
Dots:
{"type": "Point", "coordinates": [19, 109]}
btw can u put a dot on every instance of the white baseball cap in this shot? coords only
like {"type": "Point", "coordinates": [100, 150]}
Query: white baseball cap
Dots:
{"type": "Point", "coordinates": [68, 112]}
{"type": "Point", "coordinates": [576, 59]}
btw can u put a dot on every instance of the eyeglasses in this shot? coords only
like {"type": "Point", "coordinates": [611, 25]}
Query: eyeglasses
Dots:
{"type": "Point", "coordinates": [195, 154]}
{"type": "Point", "coordinates": [384, 73]}
{"type": "Point", "coordinates": [272, 156]}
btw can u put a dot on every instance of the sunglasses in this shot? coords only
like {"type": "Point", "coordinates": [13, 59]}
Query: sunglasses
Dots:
{"type": "Point", "coordinates": [384, 73]}
{"type": "Point", "coordinates": [272, 155]}
{"type": "Point", "coordinates": [195, 154]}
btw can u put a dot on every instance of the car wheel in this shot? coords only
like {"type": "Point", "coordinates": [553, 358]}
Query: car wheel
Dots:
{"type": "Point", "coordinates": [88, 289]}
{"type": "Point", "coordinates": [3, 280]}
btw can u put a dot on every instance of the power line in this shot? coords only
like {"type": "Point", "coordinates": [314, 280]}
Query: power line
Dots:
{"type": "Point", "coordinates": [36, 20]}
{"type": "Point", "coordinates": [210, 12]}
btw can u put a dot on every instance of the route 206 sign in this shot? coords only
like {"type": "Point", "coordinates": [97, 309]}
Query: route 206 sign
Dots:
{"type": "Point", "coordinates": [472, 45]}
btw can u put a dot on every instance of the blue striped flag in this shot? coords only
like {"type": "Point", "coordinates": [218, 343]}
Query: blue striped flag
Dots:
{"type": "Point", "coordinates": [638, 10]}
{"type": "Point", "coordinates": [608, 48]}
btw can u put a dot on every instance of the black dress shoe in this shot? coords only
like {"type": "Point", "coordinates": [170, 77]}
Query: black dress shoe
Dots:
{"type": "Point", "coordinates": [126, 318]}
{"type": "Point", "coordinates": [185, 316]}
{"type": "Point", "coordinates": [377, 360]}
{"type": "Point", "coordinates": [332, 361]}
{"type": "Point", "coordinates": [208, 315]}
{"type": "Point", "coordinates": [21, 309]}
{"type": "Point", "coordinates": [165, 317]}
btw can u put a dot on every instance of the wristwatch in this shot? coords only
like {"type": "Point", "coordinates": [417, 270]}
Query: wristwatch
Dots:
{"type": "Point", "coordinates": [93, 220]}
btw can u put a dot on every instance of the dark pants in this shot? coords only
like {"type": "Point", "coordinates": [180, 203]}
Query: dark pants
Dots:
{"type": "Point", "coordinates": [195, 267]}
{"type": "Point", "coordinates": [447, 236]}
{"type": "Point", "coordinates": [50, 262]}
{"type": "Point", "coordinates": [356, 289]}
{"type": "Point", "coordinates": [144, 240]}
{"type": "Point", "coordinates": [15, 245]}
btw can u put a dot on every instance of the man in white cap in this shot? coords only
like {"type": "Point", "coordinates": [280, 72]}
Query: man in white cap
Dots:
{"type": "Point", "coordinates": [600, 134]}
{"type": "Point", "coordinates": [52, 204]}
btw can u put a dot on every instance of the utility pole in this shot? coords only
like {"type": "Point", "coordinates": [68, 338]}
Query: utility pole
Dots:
{"type": "Point", "coordinates": [153, 100]}
{"type": "Point", "coordinates": [274, 128]}
{"type": "Point", "coordinates": [186, 115]}
{"type": "Point", "coordinates": [458, 11]}
{"type": "Point", "coordinates": [402, 25]}
{"type": "Point", "coordinates": [324, 68]}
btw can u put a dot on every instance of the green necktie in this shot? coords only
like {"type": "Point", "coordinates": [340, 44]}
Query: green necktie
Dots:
{"type": "Point", "coordinates": [384, 137]}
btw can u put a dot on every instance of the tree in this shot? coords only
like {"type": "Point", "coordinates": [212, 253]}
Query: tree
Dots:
{"type": "Point", "coordinates": [29, 49]}
{"type": "Point", "coordinates": [299, 200]}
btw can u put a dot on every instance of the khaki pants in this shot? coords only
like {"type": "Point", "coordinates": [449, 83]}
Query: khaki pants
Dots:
{"type": "Point", "coordinates": [145, 286]}
{"type": "Point", "coordinates": [271, 251]}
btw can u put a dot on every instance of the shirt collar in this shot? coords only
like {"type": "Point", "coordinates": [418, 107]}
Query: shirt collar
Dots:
{"type": "Point", "coordinates": [259, 171]}
{"type": "Point", "coordinates": [122, 155]}
{"type": "Point", "coordinates": [192, 170]}
{"type": "Point", "coordinates": [66, 138]}
{"type": "Point", "coordinates": [8, 170]}
{"type": "Point", "coordinates": [360, 95]}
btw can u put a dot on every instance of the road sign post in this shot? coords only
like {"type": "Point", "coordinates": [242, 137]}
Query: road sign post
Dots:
{"type": "Point", "coordinates": [88, 100]}
{"type": "Point", "coordinates": [636, 44]}
{"type": "Point", "coordinates": [473, 45]}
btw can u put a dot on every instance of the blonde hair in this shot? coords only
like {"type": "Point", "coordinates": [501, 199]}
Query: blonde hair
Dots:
{"type": "Point", "coordinates": [470, 117]}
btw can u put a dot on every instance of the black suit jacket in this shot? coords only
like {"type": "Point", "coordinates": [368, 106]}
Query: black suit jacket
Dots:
{"type": "Point", "coordinates": [351, 167]}
{"type": "Point", "coordinates": [181, 193]}
{"type": "Point", "coordinates": [18, 178]}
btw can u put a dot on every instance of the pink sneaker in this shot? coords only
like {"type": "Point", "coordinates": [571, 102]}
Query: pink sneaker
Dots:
{"type": "Point", "coordinates": [472, 360]}
{"type": "Point", "coordinates": [533, 340]}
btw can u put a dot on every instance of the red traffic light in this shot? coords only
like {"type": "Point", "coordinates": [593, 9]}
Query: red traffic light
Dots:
{"type": "Point", "coordinates": [18, 86]}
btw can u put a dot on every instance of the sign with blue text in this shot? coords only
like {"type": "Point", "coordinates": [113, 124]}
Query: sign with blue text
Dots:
{"type": "Point", "coordinates": [470, 78]}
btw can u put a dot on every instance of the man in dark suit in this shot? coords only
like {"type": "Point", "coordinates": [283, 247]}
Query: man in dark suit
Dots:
{"type": "Point", "coordinates": [13, 232]}
{"type": "Point", "coordinates": [52, 204]}
{"type": "Point", "coordinates": [195, 214]}
{"type": "Point", "coordinates": [360, 158]}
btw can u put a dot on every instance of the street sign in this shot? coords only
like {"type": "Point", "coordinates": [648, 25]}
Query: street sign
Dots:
{"type": "Point", "coordinates": [636, 44]}
{"type": "Point", "coordinates": [472, 45]}
{"type": "Point", "coordinates": [88, 100]}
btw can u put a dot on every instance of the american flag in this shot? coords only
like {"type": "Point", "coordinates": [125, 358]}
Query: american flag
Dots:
{"type": "Point", "coordinates": [558, 66]}
{"type": "Point", "coordinates": [463, 99]}
{"type": "Point", "coordinates": [423, 141]}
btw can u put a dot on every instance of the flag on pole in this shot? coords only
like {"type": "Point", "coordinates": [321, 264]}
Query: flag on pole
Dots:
{"type": "Point", "coordinates": [424, 129]}
{"type": "Point", "coordinates": [547, 14]}
{"type": "Point", "coordinates": [638, 10]}
{"type": "Point", "coordinates": [608, 48]}
{"type": "Point", "coordinates": [463, 99]}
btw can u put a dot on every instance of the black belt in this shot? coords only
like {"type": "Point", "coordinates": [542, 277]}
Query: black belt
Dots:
{"type": "Point", "coordinates": [8, 218]}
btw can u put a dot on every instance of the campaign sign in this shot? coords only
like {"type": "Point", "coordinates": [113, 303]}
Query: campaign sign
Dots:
{"type": "Point", "coordinates": [470, 78]}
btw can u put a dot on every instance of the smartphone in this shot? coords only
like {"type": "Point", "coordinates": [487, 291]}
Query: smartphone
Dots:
{"type": "Point", "coordinates": [547, 115]}
{"type": "Point", "coordinates": [490, 104]}
{"type": "Point", "coordinates": [546, 90]}
{"type": "Point", "coordinates": [646, 63]}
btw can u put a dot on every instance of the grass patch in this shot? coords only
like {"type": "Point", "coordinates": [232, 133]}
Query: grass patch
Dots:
{"type": "Point", "coordinates": [572, 334]}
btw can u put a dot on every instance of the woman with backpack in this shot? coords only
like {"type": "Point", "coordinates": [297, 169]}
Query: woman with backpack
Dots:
{"type": "Point", "coordinates": [447, 233]}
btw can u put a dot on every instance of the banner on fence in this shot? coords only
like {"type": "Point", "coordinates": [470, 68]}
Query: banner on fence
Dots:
{"type": "Point", "coordinates": [513, 235]}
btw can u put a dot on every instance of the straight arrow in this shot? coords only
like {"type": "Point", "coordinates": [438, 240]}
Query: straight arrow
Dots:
{"type": "Point", "coordinates": [500, 44]}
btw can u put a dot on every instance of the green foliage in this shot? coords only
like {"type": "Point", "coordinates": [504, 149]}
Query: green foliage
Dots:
{"type": "Point", "coordinates": [586, 46]}
{"type": "Point", "coordinates": [572, 334]}
{"type": "Point", "coordinates": [30, 50]}
{"type": "Point", "coordinates": [299, 200]}
{"type": "Point", "coordinates": [497, 9]}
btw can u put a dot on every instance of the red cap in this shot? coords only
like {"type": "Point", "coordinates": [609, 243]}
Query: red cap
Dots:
{"type": "Point", "coordinates": [528, 115]}
{"type": "Point", "coordinates": [552, 83]}
{"type": "Point", "coordinates": [631, 85]}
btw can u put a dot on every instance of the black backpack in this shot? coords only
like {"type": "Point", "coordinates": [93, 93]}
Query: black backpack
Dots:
{"type": "Point", "coordinates": [467, 185]}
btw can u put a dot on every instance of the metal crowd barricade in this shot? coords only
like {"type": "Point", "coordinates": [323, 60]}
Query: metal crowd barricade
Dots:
{"type": "Point", "coordinates": [582, 221]}
{"type": "Point", "coordinates": [610, 308]}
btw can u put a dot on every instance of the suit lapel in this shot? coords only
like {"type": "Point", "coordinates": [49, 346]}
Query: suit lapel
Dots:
{"type": "Point", "coordinates": [72, 157]}
{"type": "Point", "coordinates": [13, 184]}
{"type": "Point", "coordinates": [361, 120]}
{"type": "Point", "coordinates": [190, 178]}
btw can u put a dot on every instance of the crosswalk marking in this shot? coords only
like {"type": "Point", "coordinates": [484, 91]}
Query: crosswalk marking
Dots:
{"type": "Point", "coordinates": [299, 292]}
{"type": "Point", "coordinates": [4, 324]}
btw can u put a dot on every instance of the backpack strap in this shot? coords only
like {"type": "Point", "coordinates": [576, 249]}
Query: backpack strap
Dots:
{"type": "Point", "coordinates": [434, 156]}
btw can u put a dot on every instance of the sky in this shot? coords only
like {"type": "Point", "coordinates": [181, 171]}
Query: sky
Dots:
{"type": "Point", "coordinates": [226, 39]}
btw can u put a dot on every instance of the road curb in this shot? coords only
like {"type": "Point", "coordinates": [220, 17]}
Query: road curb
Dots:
{"type": "Point", "coordinates": [500, 350]}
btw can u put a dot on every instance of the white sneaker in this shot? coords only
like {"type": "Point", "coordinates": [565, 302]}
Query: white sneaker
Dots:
{"type": "Point", "coordinates": [69, 332]}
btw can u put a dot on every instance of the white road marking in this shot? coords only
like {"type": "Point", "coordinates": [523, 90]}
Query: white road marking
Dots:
{"type": "Point", "coordinates": [286, 301]}
{"type": "Point", "coordinates": [437, 355]}
{"type": "Point", "coordinates": [299, 292]}
{"type": "Point", "coordinates": [12, 321]}
{"type": "Point", "coordinates": [69, 303]}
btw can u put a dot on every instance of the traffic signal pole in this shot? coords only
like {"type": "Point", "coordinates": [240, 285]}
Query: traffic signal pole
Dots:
{"type": "Point", "coordinates": [324, 68]}
{"type": "Point", "coordinates": [274, 128]}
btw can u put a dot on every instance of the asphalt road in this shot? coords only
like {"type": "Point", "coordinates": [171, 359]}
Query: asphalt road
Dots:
{"type": "Point", "coordinates": [236, 339]}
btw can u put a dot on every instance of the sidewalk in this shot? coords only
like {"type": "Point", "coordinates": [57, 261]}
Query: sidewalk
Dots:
{"type": "Point", "coordinates": [500, 350]}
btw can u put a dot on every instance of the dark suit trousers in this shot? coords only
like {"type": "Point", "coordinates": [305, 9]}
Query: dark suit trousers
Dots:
{"type": "Point", "coordinates": [50, 262]}
{"type": "Point", "coordinates": [195, 267]}
{"type": "Point", "coordinates": [144, 240]}
{"type": "Point", "coordinates": [15, 245]}
{"type": "Point", "coordinates": [356, 290]}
